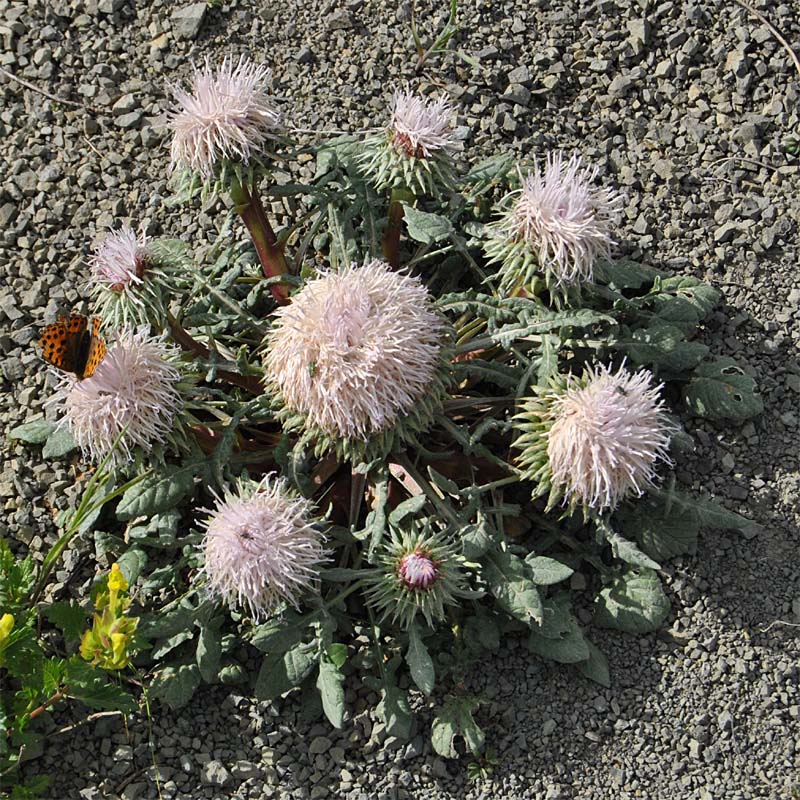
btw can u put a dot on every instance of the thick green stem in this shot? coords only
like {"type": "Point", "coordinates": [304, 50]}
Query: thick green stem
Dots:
{"type": "Point", "coordinates": [270, 253]}
{"type": "Point", "coordinates": [394, 226]}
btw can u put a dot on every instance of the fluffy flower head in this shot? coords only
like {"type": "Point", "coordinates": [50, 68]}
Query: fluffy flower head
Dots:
{"type": "Point", "coordinates": [119, 260]}
{"type": "Point", "coordinates": [134, 389]}
{"type": "Point", "coordinates": [355, 350]}
{"type": "Point", "coordinates": [558, 224]}
{"type": "Point", "coordinates": [421, 127]}
{"type": "Point", "coordinates": [261, 547]}
{"type": "Point", "coordinates": [227, 115]}
{"type": "Point", "coordinates": [603, 435]}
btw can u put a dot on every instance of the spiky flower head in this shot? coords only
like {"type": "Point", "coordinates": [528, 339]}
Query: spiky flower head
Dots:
{"type": "Point", "coordinates": [135, 392]}
{"type": "Point", "coordinates": [418, 572]}
{"type": "Point", "coordinates": [129, 279]}
{"type": "Point", "coordinates": [261, 547]}
{"type": "Point", "coordinates": [592, 441]}
{"type": "Point", "coordinates": [225, 122]}
{"type": "Point", "coordinates": [554, 228]}
{"type": "Point", "coordinates": [358, 360]}
{"type": "Point", "coordinates": [415, 152]}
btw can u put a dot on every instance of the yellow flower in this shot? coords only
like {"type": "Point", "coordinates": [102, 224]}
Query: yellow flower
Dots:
{"type": "Point", "coordinates": [116, 580]}
{"type": "Point", "coordinates": [6, 625]}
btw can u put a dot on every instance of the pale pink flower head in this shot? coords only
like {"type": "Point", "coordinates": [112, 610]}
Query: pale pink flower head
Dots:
{"type": "Point", "coordinates": [133, 389]}
{"type": "Point", "coordinates": [227, 115]}
{"type": "Point", "coordinates": [354, 351]}
{"type": "Point", "coordinates": [421, 127]}
{"type": "Point", "coordinates": [261, 547]}
{"type": "Point", "coordinates": [557, 225]}
{"type": "Point", "coordinates": [606, 433]}
{"type": "Point", "coordinates": [119, 259]}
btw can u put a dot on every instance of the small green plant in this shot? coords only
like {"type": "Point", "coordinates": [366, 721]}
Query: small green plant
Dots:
{"type": "Point", "coordinates": [439, 44]}
{"type": "Point", "coordinates": [483, 768]}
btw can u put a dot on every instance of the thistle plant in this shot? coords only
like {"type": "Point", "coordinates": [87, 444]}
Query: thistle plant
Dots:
{"type": "Point", "coordinates": [222, 132]}
{"type": "Point", "coordinates": [131, 404]}
{"type": "Point", "coordinates": [553, 229]}
{"type": "Point", "coordinates": [131, 283]}
{"type": "Point", "coordinates": [412, 157]}
{"type": "Point", "coordinates": [402, 463]}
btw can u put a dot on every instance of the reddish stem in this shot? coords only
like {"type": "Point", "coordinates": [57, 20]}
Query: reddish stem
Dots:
{"type": "Point", "coordinates": [47, 703]}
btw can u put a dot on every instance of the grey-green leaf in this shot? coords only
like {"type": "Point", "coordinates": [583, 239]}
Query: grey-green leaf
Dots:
{"type": "Point", "coordinates": [329, 683]}
{"type": "Point", "coordinates": [512, 585]}
{"type": "Point", "coordinates": [596, 666]}
{"type": "Point", "coordinates": [453, 719]}
{"type": "Point", "coordinates": [176, 685]}
{"type": "Point", "coordinates": [624, 549]}
{"type": "Point", "coordinates": [282, 672]}
{"type": "Point", "coordinates": [58, 444]}
{"type": "Point", "coordinates": [34, 432]}
{"type": "Point", "coordinates": [721, 389]}
{"type": "Point", "coordinates": [633, 602]}
{"type": "Point", "coordinates": [426, 228]}
{"type": "Point", "coordinates": [209, 653]}
{"type": "Point", "coordinates": [419, 661]}
{"type": "Point", "coordinates": [156, 493]}
{"type": "Point", "coordinates": [547, 571]}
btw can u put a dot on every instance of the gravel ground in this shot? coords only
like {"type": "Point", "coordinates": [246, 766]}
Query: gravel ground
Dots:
{"type": "Point", "coordinates": [688, 108]}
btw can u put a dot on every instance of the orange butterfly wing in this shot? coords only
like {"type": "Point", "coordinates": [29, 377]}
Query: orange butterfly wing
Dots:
{"type": "Point", "coordinates": [69, 345]}
{"type": "Point", "coordinates": [97, 350]}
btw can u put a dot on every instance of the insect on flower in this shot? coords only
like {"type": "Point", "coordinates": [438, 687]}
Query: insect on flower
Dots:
{"type": "Point", "coordinates": [73, 344]}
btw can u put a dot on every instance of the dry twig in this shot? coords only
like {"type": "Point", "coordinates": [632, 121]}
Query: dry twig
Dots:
{"type": "Point", "coordinates": [34, 88]}
{"type": "Point", "coordinates": [773, 30]}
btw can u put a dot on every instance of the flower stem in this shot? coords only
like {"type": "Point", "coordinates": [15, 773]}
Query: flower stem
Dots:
{"type": "Point", "coordinates": [47, 703]}
{"type": "Point", "coordinates": [270, 253]}
{"type": "Point", "coordinates": [394, 226]}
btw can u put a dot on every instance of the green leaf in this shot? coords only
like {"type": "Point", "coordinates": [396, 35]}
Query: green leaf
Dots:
{"type": "Point", "coordinates": [660, 532]}
{"type": "Point", "coordinates": [407, 508]}
{"type": "Point", "coordinates": [684, 301]}
{"type": "Point", "coordinates": [444, 483]}
{"type": "Point", "coordinates": [453, 719]}
{"type": "Point", "coordinates": [394, 710]}
{"type": "Point", "coordinates": [665, 347]}
{"type": "Point", "coordinates": [419, 661]}
{"type": "Point", "coordinates": [92, 686]}
{"type": "Point", "coordinates": [482, 631]}
{"type": "Point", "coordinates": [568, 649]}
{"type": "Point", "coordinates": [209, 653]}
{"type": "Point", "coordinates": [511, 583]}
{"type": "Point", "coordinates": [426, 228]}
{"type": "Point", "coordinates": [337, 653]}
{"type": "Point", "coordinates": [477, 538]}
{"type": "Point", "coordinates": [721, 389]}
{"type": "Point", "coordinates": [277, 636]}
{"type": "Point", "coordinates": [157, 493]}
{"type": "Point", "coordinates": [331, 691]}
{"type": "Point", "coordinates": [624, 274]}
{"type": "Point", "coordinates": [34, 432]}
{"type": "Point", "coordinates": [132, 562]}
{"type": "Point", "coordinates": [595, 668]}
{"type": "Point", "coordinates": [166, 623]}
{"type": "Point", "coordinates": [58, 444]}
{"type": "Point", "coordinates": [175, 686]}
{"type": "Point", "coordinates": [69, 618]}
{"type": "Point", "coordinates": [547, 571]}
{"type": "Point", "coordinates": [633, 602]}
{"type": "Point", "coordinates": [282, 672]}
{"type": "Point", "coordinates": [623, 548]}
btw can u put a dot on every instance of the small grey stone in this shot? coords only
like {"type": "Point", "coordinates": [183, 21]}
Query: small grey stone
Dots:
{"type": "Point", "coordinates": [214, 774]}
{"type": "Point", "coordinates": [304, 55]}
{"type": "Point", "coordinates": [187, 21]}
{"type": "Point", "coordinates": [620, 85]}
{"type": "Point", "coordinates": [129, 120]}
{"type": "Point", "coordinates": [518, 94]}
{"type": "Point", "coordinates": [110, 6]}
{"type": "Point", "coordinates": [548, 727]}
{"type": "Point", "coordinates": [520, 74]}
{"type": "Point", "coordinates": [639, 30]}
{"type": "Point", "coordinates": [320, 744]}
{"type": "Point", "coordinates": [125, 104]}
{"type": "Point", "coordinates": [341, 21]}
{"type": "Point", "coordinates": [725, 232]}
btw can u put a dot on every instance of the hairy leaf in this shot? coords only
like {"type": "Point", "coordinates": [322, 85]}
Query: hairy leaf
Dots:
{"type": "Point", "coordinates": [547, 571]}
{"type": "Point", "coordinates": [159, 492]}
{"type": "Point", "coordinates": [453, 719]}
{"type": "Point", "coordinates": [175, 686]}
{"type": "Point", "coordinates": [426, 228]}
{"type": "Point", "coordinates": [419, 661]}
{"type": "Point", "coordinates": [282, 672]}
{"type": "Point", "coordinates": [634, 602]}
{"type": "Point", "coordinates": [58, 444]}
{"type": "Point", "coordinates": [721, 389]}
{"type": "Point", "coordinates": [34, 432]}
{"type": "Point", "coordinates": [595, 667]}
{"type": "Point", "coordinates": [329, 683]}
{"type": "Point", "coordinates": [512, 584]}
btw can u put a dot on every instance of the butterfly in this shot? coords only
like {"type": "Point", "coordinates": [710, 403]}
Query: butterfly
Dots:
{"type": "Point", "coordinates": [74, 344]}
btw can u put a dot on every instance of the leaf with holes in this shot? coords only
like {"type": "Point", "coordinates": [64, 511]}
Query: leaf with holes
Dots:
{"type": "Point", "coordinates": [453, 719]}
{"type": "Point", "coordinates": [721, 389]}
